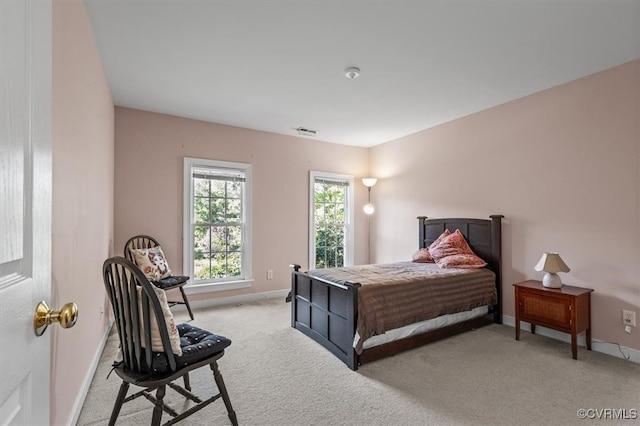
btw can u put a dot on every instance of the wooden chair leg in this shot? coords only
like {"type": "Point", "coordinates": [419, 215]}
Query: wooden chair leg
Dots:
{"type": "Point", "coordinates": [124, 387]}
{"type": "Point", "coordinates": [157, 410]}
{"type": "Point", "coordinates": [187, 383]}
{"type": "Point", "coordinates": [223, 391]}
{"type": "Point", "coordinates": [186, 302]}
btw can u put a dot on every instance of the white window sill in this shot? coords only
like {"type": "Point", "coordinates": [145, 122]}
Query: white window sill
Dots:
{"type": "Point", "coordinates": [219, 286]}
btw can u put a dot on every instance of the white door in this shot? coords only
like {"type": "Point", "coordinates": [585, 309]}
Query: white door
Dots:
{"type": "Point", "coordinates": [25, 208]}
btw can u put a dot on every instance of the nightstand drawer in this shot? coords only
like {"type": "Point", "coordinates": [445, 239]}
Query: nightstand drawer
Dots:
{"type": "Point", "coordinates": [546, 311]}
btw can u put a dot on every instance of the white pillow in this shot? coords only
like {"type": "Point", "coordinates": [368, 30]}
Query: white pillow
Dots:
{"type": "Point", "coordinates": [156, 341]}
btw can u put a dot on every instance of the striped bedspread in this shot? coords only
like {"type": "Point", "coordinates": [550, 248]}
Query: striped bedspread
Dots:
{"type": "Point", "coordinates": [397, 294]}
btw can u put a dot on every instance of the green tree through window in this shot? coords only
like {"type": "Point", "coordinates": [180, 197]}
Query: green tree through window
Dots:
{"type": "Point", "coordinates": [331, 221]}
{"type": "Point", "coordinates": [217, 223]}
{"type": "Point", "coordinates": [217, 226]}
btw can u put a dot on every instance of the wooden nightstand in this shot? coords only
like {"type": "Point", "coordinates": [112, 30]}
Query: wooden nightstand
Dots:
{"type": "Point", "coordinates": [566, 309]}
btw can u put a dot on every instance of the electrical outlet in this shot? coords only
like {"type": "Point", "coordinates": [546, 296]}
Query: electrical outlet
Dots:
{"type": "Point", "coordinates": [629, 318]}
{"type": "Point", "coordinates": [270, 274]}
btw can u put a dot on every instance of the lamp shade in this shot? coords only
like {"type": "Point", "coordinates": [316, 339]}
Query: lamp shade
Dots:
{"type": "Point", "coordinates": [551, 262]}
{"type": "Point", "coordinates": [369, 182]}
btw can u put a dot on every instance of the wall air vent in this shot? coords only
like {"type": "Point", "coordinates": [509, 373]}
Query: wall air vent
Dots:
{"type": "Point", "coordinates": [306, 132]}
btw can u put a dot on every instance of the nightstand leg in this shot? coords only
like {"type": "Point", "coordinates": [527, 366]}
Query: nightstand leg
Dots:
{"type": "Point", "coordinates": [589, 338]}
{"type": "Point", "coordinates": [533, 329]}
{"type": "Point", "coordinates": [517, 329]}
{"type": "Point", "coordinates": [574, 345]}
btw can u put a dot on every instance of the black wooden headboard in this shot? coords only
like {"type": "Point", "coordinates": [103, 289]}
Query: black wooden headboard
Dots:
{"type": "Point", "coordinates": [484, 237]}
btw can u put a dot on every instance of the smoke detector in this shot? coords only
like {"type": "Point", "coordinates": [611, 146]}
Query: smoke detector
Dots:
{"type": "Point", "coordinates": [352, 72]}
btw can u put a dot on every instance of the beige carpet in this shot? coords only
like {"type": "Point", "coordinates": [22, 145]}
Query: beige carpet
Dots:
{"type": "Point", "coordinates": [277, 376]}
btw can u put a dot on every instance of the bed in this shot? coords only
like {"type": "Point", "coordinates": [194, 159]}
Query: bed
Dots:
{"type": "Point", "coordinates": [327, 308]}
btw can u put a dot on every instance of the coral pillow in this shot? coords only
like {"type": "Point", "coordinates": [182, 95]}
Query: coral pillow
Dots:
{"type": "Point", "coordinates": [446, 233]}
{"type": "Point", "coordinates": [422, 256]}
{"type": "Point", "coordinates": [463, 261]}
{"type": "Point", "coordinates": [449, 245]}
{"type": "Point", "coordinates": [152, 263]}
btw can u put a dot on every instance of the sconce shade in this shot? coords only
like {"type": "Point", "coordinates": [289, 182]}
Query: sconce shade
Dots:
{"type": "Point", "coordinates": [369, 182]}
{"type": "Point", "coordinates": [551, 263]}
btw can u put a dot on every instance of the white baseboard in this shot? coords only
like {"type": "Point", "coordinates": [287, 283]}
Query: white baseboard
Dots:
{"type": "Point", "coordinates": [607, 348]}
{"type": "Point", "coordinates": [86, 384]}
{"type": "Point", "coordinates": [233, 300]}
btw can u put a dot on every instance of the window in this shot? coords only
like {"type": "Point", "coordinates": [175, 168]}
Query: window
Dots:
{"type": "Point", "coordinates": [217, 231]}
{"type": "Point", "coordinates": [331, 220]}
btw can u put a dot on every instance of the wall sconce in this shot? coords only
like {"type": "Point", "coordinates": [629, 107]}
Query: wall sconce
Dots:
{"type": "Point", "coordinates": [551, 263]}
{"type": "Point", "coordinates": [369, 182]}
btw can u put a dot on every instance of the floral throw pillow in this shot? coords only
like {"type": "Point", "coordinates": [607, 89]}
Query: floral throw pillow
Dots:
{"type": "Point", "coordinates": [156, 340]}
{"type": "Point", "coordinates": [434, 244]}
{"type": "Point", "coordinates": [449, 245]}
{"type": "Point", "coordinates": [463, 261]}
{"type": "Point", "coordinates": [422, 256]}
{"type": "Point", "coordinates": [152, 263]}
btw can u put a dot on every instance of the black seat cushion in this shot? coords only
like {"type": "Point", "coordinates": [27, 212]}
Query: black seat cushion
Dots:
{"type": "Point", "coordinates": [170, 282]}
{"type": "Point", "coordinates": [196, 343]}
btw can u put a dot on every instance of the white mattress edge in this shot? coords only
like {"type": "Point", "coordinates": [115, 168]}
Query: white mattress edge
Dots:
{"type": "Point", "coordinates": [421, 327]}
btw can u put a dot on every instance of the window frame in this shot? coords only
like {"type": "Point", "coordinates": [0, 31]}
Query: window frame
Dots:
{"type": "Point", "coordinates": [221, 284]}
{"type": "Point", "coordinates": [349, 215]}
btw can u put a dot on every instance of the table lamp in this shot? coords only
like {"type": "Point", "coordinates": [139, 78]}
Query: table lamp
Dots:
{"type": "Point", "coordinates": [551, 263]}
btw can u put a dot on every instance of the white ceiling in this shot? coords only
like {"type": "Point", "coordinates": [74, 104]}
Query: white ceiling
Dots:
{"type": "Point", "coordinates": [276, 65]}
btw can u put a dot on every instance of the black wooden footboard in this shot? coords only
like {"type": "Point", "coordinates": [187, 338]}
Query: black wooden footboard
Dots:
{"type": "Point", "coordinates": [326, 312]}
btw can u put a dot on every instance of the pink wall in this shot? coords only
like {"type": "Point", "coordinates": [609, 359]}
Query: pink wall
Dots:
{"type": "Point", "coordinates": [562, 166]}
{"type": "Point", "coordinates": [82, 215]}
{"type": "Point", "coordinates": [149, 156]}
{"type": "Point", "coordinates": [582, 138]}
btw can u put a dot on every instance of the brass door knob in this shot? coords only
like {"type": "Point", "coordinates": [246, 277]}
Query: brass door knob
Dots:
{"type": "Point", "coordinates": [67, 316]}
